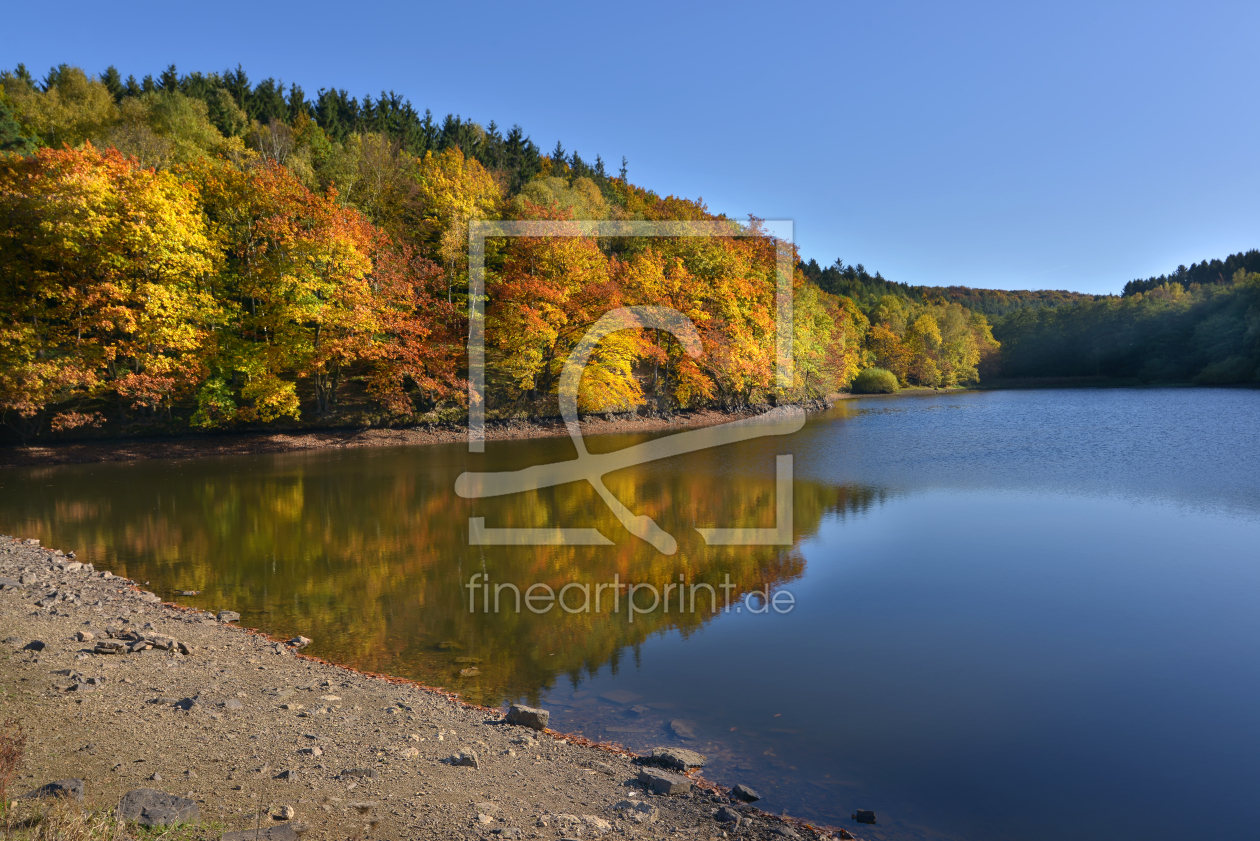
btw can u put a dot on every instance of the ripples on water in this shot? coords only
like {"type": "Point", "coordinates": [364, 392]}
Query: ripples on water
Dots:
{"type": "Point", "coordinates": [1018, 614]}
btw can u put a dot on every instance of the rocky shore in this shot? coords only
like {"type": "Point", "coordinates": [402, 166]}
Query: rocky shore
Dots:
{"type": "Point", "coordinates": [193, 446]}
{"type": "Point", "coordinates": [175, 715]}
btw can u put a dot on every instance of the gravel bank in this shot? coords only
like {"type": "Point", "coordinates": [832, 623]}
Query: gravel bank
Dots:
{"type": "Point", "coordinates": [124, 692]}
{"type": "Point", "coordinates": [194, 446]}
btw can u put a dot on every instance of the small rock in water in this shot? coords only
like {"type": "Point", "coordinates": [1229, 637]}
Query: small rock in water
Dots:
{"type": "Point", "coordinates": [864, 816]}
{"type": "Point", "coordinates": [229, 616]}
{"type": "Point", "coordinates": [466, 758]}
{"type": "Point", "coordinates": [528, 716]}
{"type": "Point", "coordinates": [620, 696]}
{"type": "Point", "coordinates": [678, 758]}
{"type": "Point", "coordinates": [300, 642]}
{"type": "Point", "coordinates": [683, 729]}
{"type": "Point", "coordinates": [449, 645]}
{"type": "Point", "coordinates": [744, 793]}
{"type": "Point", "coordinates": [638, 710]}
{"type": "Point", "coordinates": [190, 592]}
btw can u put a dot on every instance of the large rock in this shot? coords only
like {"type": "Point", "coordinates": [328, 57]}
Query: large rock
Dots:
{"type": "Point", "coordinates": [664, 782]}
{"type": "Point", "coordinates": [744, 793]}
{"type": "Point", "coordinates": [149, 807]}
{"type": "Point", "coordinates": [728, 815]}
{"type": "Point", "coordinates": [678, 758]}
{"type": "Point", "coordinates": [528, 716]}
{"type": "Point", "coordinates": [60, 788]}
{"type": "Point", "coordinates": [864, 816]}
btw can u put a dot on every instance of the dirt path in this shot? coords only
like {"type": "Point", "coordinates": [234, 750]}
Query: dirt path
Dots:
{"type": "Point", "coordinates": [235, 722]}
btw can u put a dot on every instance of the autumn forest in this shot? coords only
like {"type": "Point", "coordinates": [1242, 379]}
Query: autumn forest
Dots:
{"type": "Point", "coordinates": [203, 252]}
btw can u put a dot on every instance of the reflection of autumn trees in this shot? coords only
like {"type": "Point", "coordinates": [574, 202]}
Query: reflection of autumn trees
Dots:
{"type": "Point", "coordinates": [367, 552]}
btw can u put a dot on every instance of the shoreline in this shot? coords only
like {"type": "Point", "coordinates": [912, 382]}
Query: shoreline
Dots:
{"type": "Point", "coordinates": [122, 691]}
{"type": "Point", "coordinates": [245, 443]}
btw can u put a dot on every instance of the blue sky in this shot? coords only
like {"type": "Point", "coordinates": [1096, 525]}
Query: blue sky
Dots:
{"type": "Point", "coordinates": [1054, 145]}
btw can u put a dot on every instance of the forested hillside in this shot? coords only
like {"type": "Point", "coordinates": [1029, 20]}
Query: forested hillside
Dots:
{"type": "Point", "coordinates": [201, 251]}
{"type": "Point", "coordinates": [1207, 334]}
{"type": "Point", "coordinates": [198, 251]}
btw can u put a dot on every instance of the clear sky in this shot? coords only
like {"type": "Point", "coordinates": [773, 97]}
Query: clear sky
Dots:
{"type": "Point", "coordinates": [1010, 145]}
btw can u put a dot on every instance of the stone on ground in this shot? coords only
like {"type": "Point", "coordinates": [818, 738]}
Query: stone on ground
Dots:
{"type": "Point", "coordinates": [528, 717]}
{"type": "Point", "coordinates": [664, 782]}
{"type": "Point", "coordinates": [149, 807]}
{"type": "Point", "coordinates": [60, 788]}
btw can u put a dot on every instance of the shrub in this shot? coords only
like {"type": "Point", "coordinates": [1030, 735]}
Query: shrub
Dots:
{"type": "Point", "coordinates": [875, 381]}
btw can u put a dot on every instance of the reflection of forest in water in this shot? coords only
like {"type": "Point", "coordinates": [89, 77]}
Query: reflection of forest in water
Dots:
{"type": "Point", "coordinates": [367, 552]}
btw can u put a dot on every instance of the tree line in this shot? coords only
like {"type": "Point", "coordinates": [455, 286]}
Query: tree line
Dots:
{"type": "Point", "coordinates": [198, 251]}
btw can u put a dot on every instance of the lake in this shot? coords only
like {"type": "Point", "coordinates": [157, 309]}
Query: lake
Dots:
{"type": "Point", "coordinates": [1015, 615]}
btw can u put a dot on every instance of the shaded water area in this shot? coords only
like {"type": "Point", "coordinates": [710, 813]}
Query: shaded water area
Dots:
{"type": "Point", "coordinates": [1017, 614]}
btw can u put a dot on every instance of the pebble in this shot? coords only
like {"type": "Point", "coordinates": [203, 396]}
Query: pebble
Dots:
{"type": "Point", "coordinates": [466, 758]}
{"type": "Point", "coordinates": [864, 816]}
{"type": "Point", "coordinates": [637, 811]}
{"type": "Point", "coordinates": [285, 813]}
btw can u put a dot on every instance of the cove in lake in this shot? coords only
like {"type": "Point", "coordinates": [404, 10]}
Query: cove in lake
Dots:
{"type": "Point", "coordinates": [1017, 614]}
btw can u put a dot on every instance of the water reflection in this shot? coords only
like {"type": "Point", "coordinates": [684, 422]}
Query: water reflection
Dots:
{"type": "Point", "coordinates": [367, 553]}
{"type": "Point", "coordinates": [1005, 602]}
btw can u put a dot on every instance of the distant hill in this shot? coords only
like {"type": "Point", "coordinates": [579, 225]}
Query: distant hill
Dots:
{"type": "Point", "coordinates": [866, 289]}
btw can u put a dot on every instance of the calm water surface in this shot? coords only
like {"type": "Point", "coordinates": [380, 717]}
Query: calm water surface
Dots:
{"type": "Point", "coordinates": [1018, 615]}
